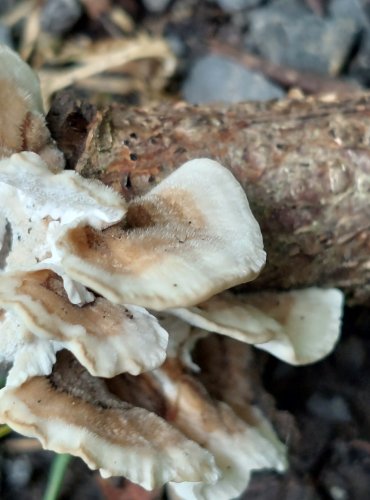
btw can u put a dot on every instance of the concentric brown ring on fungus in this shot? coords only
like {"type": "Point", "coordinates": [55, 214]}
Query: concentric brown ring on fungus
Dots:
{"type": "Point", "coordinates": [192, 236]}
{"type": "Point", "coordinates": [23, 126]}
{"type": "Point", "coordinates": [72, 412]}
{"type": "Point", "coordinates": [36, 203]}
{"type": "Point", "coordinates": [239, 445]}
{"type": "Point", "coordinates": [106, 338]}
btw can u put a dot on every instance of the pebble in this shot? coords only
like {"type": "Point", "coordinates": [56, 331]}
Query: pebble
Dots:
{"type": "Point", "coordinates": [6, 5]}
{"type": "Point", "coordinates": [18, 471]}
{"type": "Point", "coordinates": [287, 33]}
{"type": "Point", "coordinates": [216, 78]}
{"type": "Point", "coordinates": [58, 16]}
{"type": "Point", "coordinates": [177, 45]}
{"type": "Point", "coordinates": [156, 6]}
{"type": "Point", "coordinates": [231, 6]}
{"type": "Point", "coordinates": [6, 36]}
{"type": "Point", "coordinates": [333, 408]}
{"type": "Point", "coordinates": [353, 9]}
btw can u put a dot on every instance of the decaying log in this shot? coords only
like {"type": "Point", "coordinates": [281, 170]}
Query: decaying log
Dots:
{"type": "Point", "coordinates": [305, 166]}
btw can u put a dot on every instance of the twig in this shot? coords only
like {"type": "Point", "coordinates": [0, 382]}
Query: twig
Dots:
{"type": "Point", "coordinates": [121, 53]}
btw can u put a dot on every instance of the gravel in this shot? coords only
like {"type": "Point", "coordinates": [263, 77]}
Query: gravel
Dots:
{"type": "Point", "coordinates": [231, 6]}
{"type": "Point", "coordinates": [58, 16]}
{"type": "Point", "coordinates": [219, 79]}
{"type": "Point", "coordinates": [156, 6]}
{"type": "Point", "coordinates": [287, 33]}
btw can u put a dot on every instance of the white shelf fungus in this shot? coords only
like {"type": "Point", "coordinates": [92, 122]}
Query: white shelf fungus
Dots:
{"type": "Point", "coordinates": [22, 124]}
{"type": "Point", "coordinates": [299, 326]}
{"type": "Point", "coordinates": [78, 264]}
{"type": "Point", "coordinates": [175, 246]}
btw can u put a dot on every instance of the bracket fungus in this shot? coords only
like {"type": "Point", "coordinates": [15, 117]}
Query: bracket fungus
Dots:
{"type": "Point", "coordinates": [22, 125]}
{"type": "Point", "coordinates": [78, 265]}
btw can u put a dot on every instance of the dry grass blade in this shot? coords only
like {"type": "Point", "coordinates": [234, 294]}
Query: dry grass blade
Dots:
{"type": "Point", "coordinates": [121, 19]}
{"type": "Point", "coordinates": [117, 53]}
{"type": "Point", "coordinates": [30, 33]}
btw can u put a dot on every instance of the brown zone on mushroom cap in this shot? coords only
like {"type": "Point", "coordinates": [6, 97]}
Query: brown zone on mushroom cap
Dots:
{"type": "Point", "coordinates": [278, 306]}
{"type": "Point", "coordinates": [22, 129]}
{"type": "Point", "coordinates": [35, 134]}
{"type": "Point", "coordinates": [14, 108]}
{"type": "Point", "coordinates": [173, 204]}
{"type": "Point", "coordinates": [194, 411]}
{"type": "Point", "coordinates": [100, 317]}
{"type": "Point", "coordinates": [151, 226]}
{"type": "Point", "coordinates": [71, 396]}
{"type": "Point", "coordinates": [228, 373]}
{"type": "Point", "coordinates": [192, 398]}
{"type": "Point", "coordinates": [140, 390]}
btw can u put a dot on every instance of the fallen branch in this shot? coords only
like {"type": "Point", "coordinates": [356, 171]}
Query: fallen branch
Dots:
{"type": "Point", "coordinates": [305, 166]}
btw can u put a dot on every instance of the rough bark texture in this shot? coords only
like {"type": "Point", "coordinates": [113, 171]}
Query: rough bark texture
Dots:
{"type": "Point", "coordinates": [305, 166]}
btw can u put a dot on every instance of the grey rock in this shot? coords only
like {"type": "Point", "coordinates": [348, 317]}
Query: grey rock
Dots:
{"type": "Point", "coordinates": [287, 33]}
{"type": "Point", "coordinates": [365, 4]}
{"type": "Point", "coordinates": [156, 6]}
{"type": "Point", "coordinates": [332, 408]}
{"type": "Point", "coordinates": [19, 471]}
{"type": "Point", "coordinates": [6, 5]}
{"type": "Point", "coordinates": [219, 79]}
{"type": "Point", "coordinates": [6, 36]}
{"type": "Point", "coordinates": [231, 6]}
{"type": "Point", "coordinates": [58, 16]}
{"type": "Point", "coordinates": [177, 45]}
{"type": "Point", "coordinates": [348, 9]}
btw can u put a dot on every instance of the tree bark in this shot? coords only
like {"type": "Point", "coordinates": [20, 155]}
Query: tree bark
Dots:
{"type": "Point", "coordinates": [305, 166]}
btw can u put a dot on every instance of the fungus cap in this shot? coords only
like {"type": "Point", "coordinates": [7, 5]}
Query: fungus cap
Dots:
{"type": "Point", "coordinates": [21, 77]}
{"type": "Point", "coordinates": [299, 326]}
{"type": "Point", "coordinates": [190, 237]}
{"type": "Point", "coordinates": [72, 412]}
{"type": "Point", "coordinates": [239, 446]}
{"type": "Point", "coordinates": [22, 124]}
{"type": "Point", "coordinates": [106, 338]}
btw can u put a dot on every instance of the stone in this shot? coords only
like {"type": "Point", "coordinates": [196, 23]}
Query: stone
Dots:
{"type": "Point", "coordinates": [333, 408]}
{"type": "Point", "coordinates": [18, 470]}
{"type": "Point", "coordinates": [58, 16]}
{"type": "Point", "coordinates": [353, 9]}
{"type": "Point", "coordinates": [156, 6]}
{"type": "Point", "coordinates": [216, 78]}
{"type": "Point", "coordinates": [5, 35]}
{"type": "Point", "coordinates": [231, 6]}
{"type": "Point", "coordinates": [6, 5]}
{"type": "Point", "coordinates": [287, 33]}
